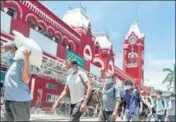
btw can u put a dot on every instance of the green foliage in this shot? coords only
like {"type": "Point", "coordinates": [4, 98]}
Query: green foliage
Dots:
{"type": "Point", "coordinates": [170, 78]}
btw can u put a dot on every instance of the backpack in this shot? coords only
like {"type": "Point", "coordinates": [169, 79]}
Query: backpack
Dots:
{"type": "Point", "coordinates": [95, 95]}
{"type": "Point", "coordinates": [145, 109]}
{"type": "Point", "coordinates": [122, 104]}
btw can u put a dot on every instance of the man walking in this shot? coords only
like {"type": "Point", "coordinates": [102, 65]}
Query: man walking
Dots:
{"type": "Point", "coordinates": [39, 97]}
{"type": "Point", "coordinates": [110, 100]}
{"type": "Point", "coordinates": [17, 94]}
{"type": "Point", "coordinates": [133, 102]}
{"type": "Point", "coordinates": [171, 108]}
{"type": "Point", "coordinates": [160, 106]}
{"type": "Point", "coordinates": [75, 88]}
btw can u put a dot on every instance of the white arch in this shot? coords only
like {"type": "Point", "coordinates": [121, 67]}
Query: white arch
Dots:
{"type": "Point", "coordinates": [111, 64]}
{"type": "Point", "coordinates": [95, 42]}
{"type": "Point", "coordinates": [30, 14]}
{"type": "Point", "coordinates": [99, 61]}
{"type": "Point", "coordinates": [59, 33]}
{"type": "Point", "coordinates": [41, 21]}
{"type": "Point", "coordinates": [18, 6]}
{"type": "Point", "coordinates": [65, 37]}
{"type": "Point", "coordinates": [86, 56]}
{"type": "Point", "coordinates": [50, 27]}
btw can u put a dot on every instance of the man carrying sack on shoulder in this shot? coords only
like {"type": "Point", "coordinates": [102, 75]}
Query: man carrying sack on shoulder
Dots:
{"type": "Point", "coordinates": [79, 88]}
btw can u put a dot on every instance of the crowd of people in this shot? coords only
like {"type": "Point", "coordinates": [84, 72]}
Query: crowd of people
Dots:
{"type": "Point", "coordinates": [130, 104]}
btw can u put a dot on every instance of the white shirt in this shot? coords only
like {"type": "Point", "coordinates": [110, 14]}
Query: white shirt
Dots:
{"type": "Point", "coordinates": [76, 87]}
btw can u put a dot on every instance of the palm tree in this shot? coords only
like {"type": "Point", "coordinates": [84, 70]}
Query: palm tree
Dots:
{"type": "Point", "coordinates": [170, 78]}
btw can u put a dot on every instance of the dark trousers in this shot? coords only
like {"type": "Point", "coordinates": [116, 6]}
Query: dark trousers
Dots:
{"type": "Point", "coordinates": [15, 111]}
{"type": "Point", "coordinates": [105, 116]}
{"type": "Point", "coordinates": [75, 112]}
{"type": "Point", "coordinates": [160, 118]}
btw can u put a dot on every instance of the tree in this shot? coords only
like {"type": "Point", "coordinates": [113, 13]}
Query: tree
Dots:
{"type": "Point", "coordinates": [170, 78]}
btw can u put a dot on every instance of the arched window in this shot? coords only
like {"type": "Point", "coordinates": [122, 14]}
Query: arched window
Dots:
{"type": "Point", "coordinates": [12, 12]}
{"type": "Point", "coordinates": [40, 29]}
{"type": "Point", "coordinates": [57, 40]}
{"type": "Point", "coordinates": [49, 35]}
{"type": "Point", "coordinates": [96, 49]}
{"type": "Point", "coordinates": [132, 58]}
{"type": "Point", "coordinates": [69, 47]}
{"type": "Point", "coordinates": [31, 24]}
{"type": "Point", "coordinates": [64, 44]}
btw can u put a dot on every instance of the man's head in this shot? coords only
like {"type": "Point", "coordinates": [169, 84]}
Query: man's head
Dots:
{"type": "Point", "coordinates": [71, 65]}
{"type": "Point", "coordinates": [128, 84]}
{"type": "Point", "coordinates": [109, 79]}
{"type": "Point", "coordinates": [10, 46]}
{"type": "Point", "coordinates": [158, 94]}
{"type": "Point", "coordinates": [9, 49]}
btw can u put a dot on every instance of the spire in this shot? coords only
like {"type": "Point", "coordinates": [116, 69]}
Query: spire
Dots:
{"type": "Point", "coordinates": [135, 29]}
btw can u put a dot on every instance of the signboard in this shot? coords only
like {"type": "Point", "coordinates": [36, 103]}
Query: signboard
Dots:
{"type": "Point", "coordinates": [51, 86]}
{"type": "Point", "coordinates": [2, 76]}
{"type": "Point", "coordinates": [80, 61]}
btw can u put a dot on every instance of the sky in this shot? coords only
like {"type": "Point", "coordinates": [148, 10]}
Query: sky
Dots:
{"type": "Point", "coordinates": [155, 18]}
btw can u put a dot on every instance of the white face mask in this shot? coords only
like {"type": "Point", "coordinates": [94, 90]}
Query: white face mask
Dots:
{"type": "Point", "coordinates": [70, 71]}
{"type": "Point", "coordinates": [128, 87]}
{"type": "Point", "coordinates": [108, 81]}
{"type": "Point", "coordinates": [9, 55]}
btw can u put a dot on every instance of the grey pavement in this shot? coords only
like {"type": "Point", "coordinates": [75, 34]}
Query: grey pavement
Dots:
{"type": "Point", "coordinates": [54, 117]}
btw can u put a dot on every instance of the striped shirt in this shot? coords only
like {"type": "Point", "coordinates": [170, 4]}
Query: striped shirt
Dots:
{"type": "Point", "coordinates": [109, 98]}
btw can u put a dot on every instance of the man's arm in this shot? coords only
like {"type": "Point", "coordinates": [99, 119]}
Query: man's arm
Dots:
{"type": "Point", "coordinates": [63, 94]}
{"type": "Point", "coordinates": [118, 99]}
{"type": "Point", "coordinates": [26, 75]}
{"type": "Point", "coordinates": [140, 99]}
{"type": "Point", "coordinates": [169, 105]}
{"type": "Point", "coordinates": [88, 92]}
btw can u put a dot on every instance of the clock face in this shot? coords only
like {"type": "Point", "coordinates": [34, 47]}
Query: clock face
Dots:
{"type": "Point", "coordinates": [132, 40]}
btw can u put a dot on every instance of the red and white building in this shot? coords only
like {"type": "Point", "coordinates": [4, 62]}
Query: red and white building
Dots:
{"type": "Point", "coordinates": [55, 36]}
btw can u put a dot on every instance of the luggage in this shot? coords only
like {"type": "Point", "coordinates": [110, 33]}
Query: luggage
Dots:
{"type": "Point", "coordinates": [23, 44]}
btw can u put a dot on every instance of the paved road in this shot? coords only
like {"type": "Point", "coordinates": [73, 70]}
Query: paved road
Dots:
{"type": "Point", "coordinates": [47, 117]}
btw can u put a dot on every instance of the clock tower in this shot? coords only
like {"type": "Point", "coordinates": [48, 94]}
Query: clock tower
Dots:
{"type": "Point", "coordinates": [133, 54]}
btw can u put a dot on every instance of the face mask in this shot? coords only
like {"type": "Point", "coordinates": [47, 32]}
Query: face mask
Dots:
{"type": "Point", "coordinates": [108, 81]}
{"type": "Point", "coordinates": [172, 98]}
{"type": "Point", "coordinates": [70, 71]}
{"type": "Point", "coordinates": [9, 55]}
{"type": "Point", "coordinates": [128, 87]}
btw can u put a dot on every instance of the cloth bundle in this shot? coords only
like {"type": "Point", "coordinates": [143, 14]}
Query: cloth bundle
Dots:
{"type": "Point", "coordinates": [23, 44]}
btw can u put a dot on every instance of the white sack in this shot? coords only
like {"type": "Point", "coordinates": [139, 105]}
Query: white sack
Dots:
{"type": "Point", "coordinates": [29, 45]}
{"type": "Point", "coordinates": [19, 39]}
